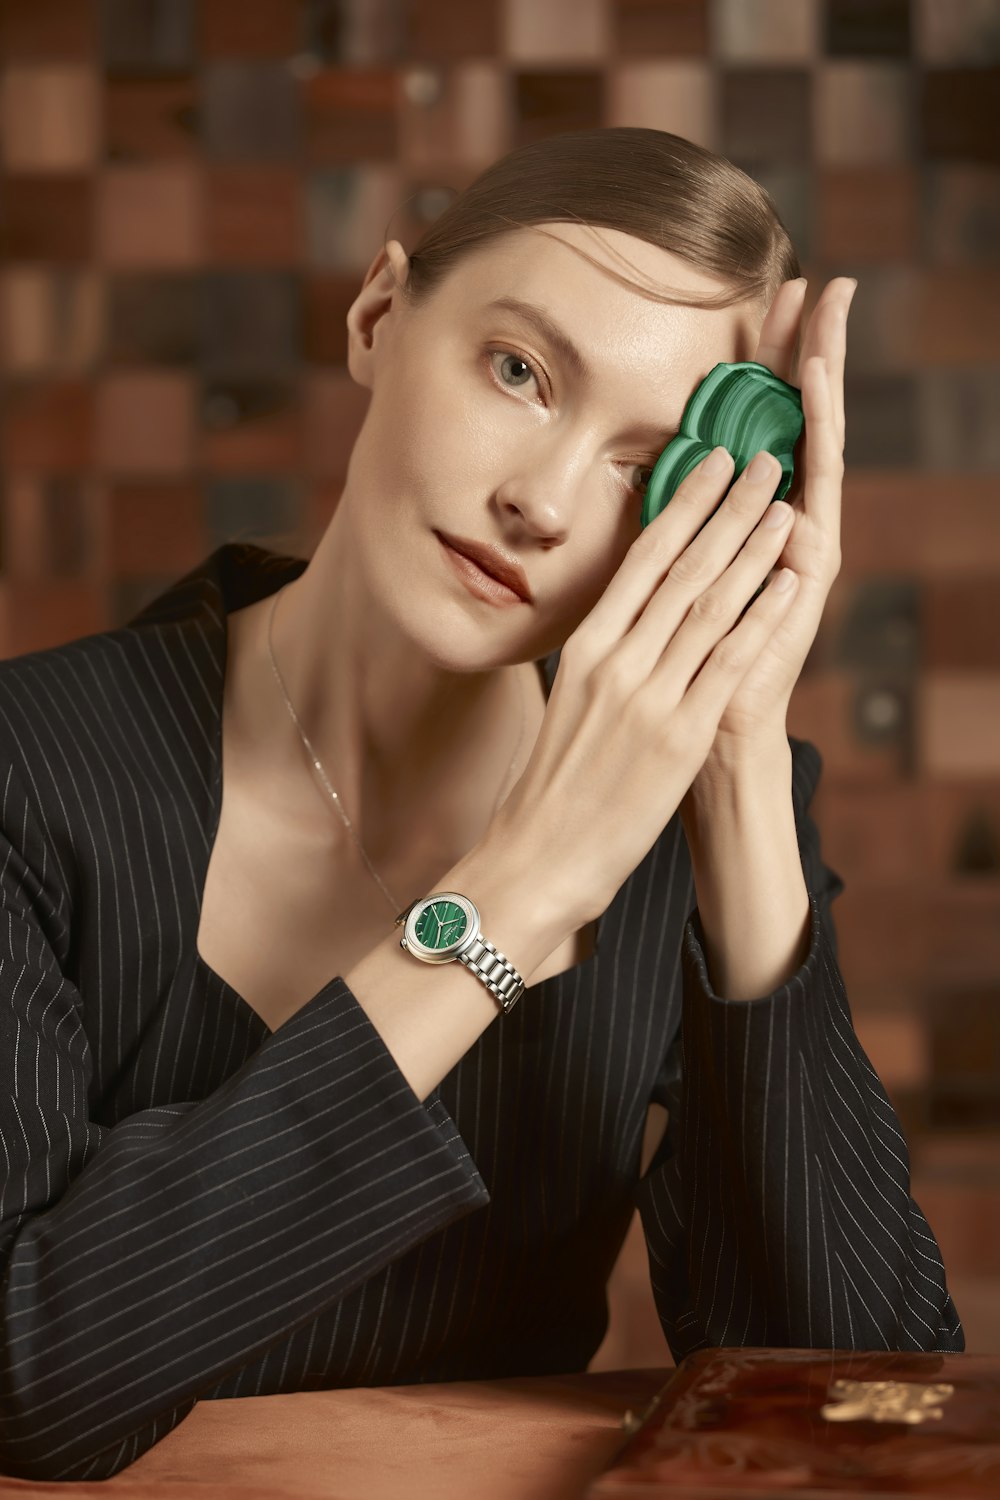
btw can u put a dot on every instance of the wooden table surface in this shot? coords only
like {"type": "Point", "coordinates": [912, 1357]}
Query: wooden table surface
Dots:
{"type": "Point", "coordinates": [538, 1438]}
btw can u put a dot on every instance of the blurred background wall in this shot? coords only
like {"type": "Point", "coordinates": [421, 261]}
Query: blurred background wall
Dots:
{"type": "Point", "coordinates": [191, 193]}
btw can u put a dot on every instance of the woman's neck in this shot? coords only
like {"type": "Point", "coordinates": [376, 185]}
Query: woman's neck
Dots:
{"type": "Point", "coordinates": [415, 754]}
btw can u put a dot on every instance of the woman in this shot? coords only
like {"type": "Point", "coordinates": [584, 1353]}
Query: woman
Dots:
{"type": "Point", "coordinates": [252, 1143]}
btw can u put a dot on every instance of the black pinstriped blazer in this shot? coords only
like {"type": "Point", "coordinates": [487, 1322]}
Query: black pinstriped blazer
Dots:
{"type": "Point", "coordinates": [192, 1206]}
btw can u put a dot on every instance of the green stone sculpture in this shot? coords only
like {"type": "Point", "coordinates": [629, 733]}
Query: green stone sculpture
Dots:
{"type": "Point", "coordinates": [742, 407]}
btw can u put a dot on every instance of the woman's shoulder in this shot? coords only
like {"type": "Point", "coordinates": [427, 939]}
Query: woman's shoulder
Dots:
{"type": "Point", "coordinates": [42, 683]}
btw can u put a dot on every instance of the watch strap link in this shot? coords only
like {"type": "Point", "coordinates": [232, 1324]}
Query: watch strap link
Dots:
{"type": "Point", "coordinates": [495, 970]}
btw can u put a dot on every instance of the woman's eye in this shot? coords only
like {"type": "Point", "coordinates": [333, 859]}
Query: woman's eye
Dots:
{"type": "Point", "coordinates": [511, 369]}
{"type": "Point", "coordinates": [645, 470]}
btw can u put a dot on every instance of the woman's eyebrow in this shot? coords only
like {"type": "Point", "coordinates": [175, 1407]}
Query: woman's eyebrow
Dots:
{"type": "Point", "coordinates": [657, 433]}
{"type": "Point", "coordinates": [549, 331]}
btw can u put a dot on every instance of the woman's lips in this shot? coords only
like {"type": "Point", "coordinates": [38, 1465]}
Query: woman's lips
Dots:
{"type": "Point", "coordinates": [483, 585]}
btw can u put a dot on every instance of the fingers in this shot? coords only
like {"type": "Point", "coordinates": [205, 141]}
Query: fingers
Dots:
{"type": "Point", "coordinates": [824, 452]}
{"type": "Point", "coordinates": [707, 695]}
{"type": "Point", "coordinates": [826, 337]}
{"type": "Point", "coordinates": [711, 581]}
{"type": "Point", "coordinates": [651, 555]}
{"type": "Point", "coordinates": [780, 329]}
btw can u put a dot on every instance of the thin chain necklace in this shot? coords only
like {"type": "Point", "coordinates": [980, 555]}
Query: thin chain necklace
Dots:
{"type": "Point", "coordinates": [318, 764]}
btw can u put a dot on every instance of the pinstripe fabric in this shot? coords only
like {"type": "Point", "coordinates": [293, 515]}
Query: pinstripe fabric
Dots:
{"type": "Point", "coordinates": [192, 1206]}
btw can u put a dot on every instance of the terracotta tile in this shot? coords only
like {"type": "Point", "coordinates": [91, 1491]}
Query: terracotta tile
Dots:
{"type": "Point", "coordinates": [156, 527]}
{"type": "Point", "coordinates": [484, 112]}
{"type": "Point", "coordinates": [882, 419]}
{"type": "Point", "coordinates": [958, 114]}
{"type": "Point", "coordinates": [880, 629]}
{"type": "Point", "coordinates": [150, 217]}
{"type": "Point", "coordinates": [155, 37]}
{"type": "Point", "coordinates": [896, 1045]}
{"type": "Point", "coordinates": [255, 215]}
{"type": "Point", "coordinates": [461, 114]}
{"type": "Point", "coordinates": [925, 933]}
{"type": "Point", "coordinates": [250, 111]}
{"type": "Point", "coordinates": [347, 211]}
{"type": "Point", "coordinates": [959, 723]}
{"type": "Point", "coordinates": [150, 118]}
{"type": "Point", "coordinates": [963, 31]}
{"type": "Point", "coordinates": [145, 423]}
{"type": "Point", "coordinates": [547, 102]}
{"type": "Point", "coordinates": [956, 317]}
{"type": "Point", "coordinates": [961, 213]}
{"type": "Point", "coordinates": [885, 833]}
{"type": "Point", "coordinates": [560, 31]}
{"type": "Point", "coordinates": [153, 319]}
{"type": "Point", "coordinates": [665, 95]}
{"type": "Point", "coordinates": [867, 28]}
{"type": "Point", "coordinates": [37, 615]}
{"type": "Point", "coordinates": [49, 118]}
{"type": "Point", "coordinates": [782, 132]}
{"type": "Point", "coordinates": [251, 322]}
{"type": "Point", "coordinates": [335, 409]}
{"type": "Point", "coordinates": [883, 318]}
{"type": "Point", "coordinates": [51, 321]}
{"type": "Point", "coordinates": [965, 1218]}
{"type": "Point", "coordinates": [863, 114]}
{"type": "Point", "coordinates": [53, 527]}
{"type": "Point", "coordinates": [46, 219]}
{"type": "Point", "coordinates": [49, 29]}
{"type": "Point", "coordinates": [439, 30]}
{"type": "Point", "coordinates": [672, 28]}
{"type": "Point", "coordinates": [249, 508]}
{"type": "Point", "coordinates": [351, 115]}
{"type": "Point", "coordinates": [880, 936]}
{"type": "Point", "coordinates": [232, 28]}
{"type": "Point", "coordinates": [867, 214]}
{"type": "Point", "coordinates": [964, 1035]}
{"type": "Point", "coordinates": [822, 710]}
{"type": "Point", "coordinates": [935, 525]}
{"type": "Point", "coordinates": [327, 300]}
{"type": "Point", "coordinates": [958, 429]}
{"type": "Point", "coordinates": [793, 189]}
{"type": "Point", "coordinates": [48, 427]}
{"type": "Point", "coordinates": [362, 33]}
{"type": "Point", "coordinates": [765, 31]}
{"type": "Point", "coordinates": [250, 425]}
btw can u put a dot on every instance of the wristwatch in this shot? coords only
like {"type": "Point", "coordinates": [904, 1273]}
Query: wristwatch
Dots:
{"type": "Point", "coordinates": [445, 926]}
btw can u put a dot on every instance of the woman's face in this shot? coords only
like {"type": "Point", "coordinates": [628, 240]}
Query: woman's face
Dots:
{"type": "Point", "coordinates": [485, 425]}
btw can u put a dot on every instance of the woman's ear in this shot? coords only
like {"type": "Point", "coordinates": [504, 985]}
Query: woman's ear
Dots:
{"type": "Point", "coordinates": [380, 290]}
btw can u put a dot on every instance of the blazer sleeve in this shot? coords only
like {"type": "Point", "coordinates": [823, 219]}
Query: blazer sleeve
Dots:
{"type": "Point", "coordinates": [777, 1209]}
{"type": "Point", "coordinates": [141, 1263]}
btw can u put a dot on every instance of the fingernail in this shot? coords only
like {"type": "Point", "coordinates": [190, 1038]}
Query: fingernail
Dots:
{"type": "Point", "coordinates": [761, 468]}
{"type": "Point", "coordinates": [784, 581]}
{"type": "Point", "coordinates": [717, 461]}
{"type": "Point", "coordinates": [777, 514]}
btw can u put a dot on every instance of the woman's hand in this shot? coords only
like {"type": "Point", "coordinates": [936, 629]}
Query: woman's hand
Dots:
{"type": "Point", "coordinates": [755, 715]}
{"type": "Point", "coordinates": [642, 685]}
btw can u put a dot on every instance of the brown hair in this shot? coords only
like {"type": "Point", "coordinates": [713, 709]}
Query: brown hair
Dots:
{"type": "Point", "coordinates": [648, 183]}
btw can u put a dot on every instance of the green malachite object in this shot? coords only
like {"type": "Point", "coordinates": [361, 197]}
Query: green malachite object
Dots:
{"type": "Point", "coordinates": [742, 407]}
{"type": "Point", "coordinates": [442, 924]}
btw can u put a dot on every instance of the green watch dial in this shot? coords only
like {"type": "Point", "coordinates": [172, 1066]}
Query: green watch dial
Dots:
{"type": "Point", "coordinates": [440, 924]}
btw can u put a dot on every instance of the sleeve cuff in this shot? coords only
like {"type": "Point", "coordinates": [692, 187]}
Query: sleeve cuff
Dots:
{"type": "Point", "coordinates": [695, 966]}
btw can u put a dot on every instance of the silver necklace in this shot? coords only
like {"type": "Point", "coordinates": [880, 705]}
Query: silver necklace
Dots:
{"type": "Point", "coordinates": [318, 764]}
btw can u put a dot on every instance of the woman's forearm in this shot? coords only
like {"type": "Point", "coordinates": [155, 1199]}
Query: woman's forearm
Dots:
{"type": "Point", "coordinates": [752, 896]}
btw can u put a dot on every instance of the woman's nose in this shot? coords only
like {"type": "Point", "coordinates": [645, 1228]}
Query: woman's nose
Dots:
{"type": "Point", "coordinates": [546, 486]}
